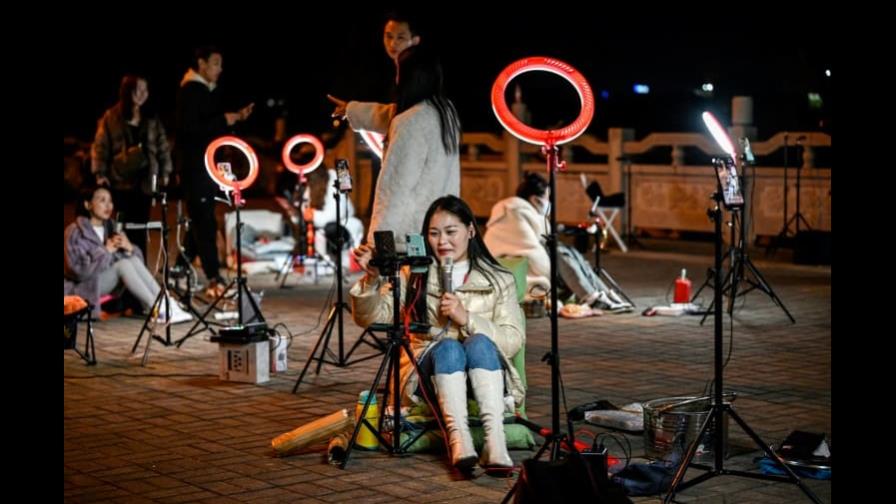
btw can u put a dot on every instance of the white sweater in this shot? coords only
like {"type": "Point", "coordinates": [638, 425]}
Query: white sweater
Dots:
{"type": "Point", "coordinates": [416, 169]}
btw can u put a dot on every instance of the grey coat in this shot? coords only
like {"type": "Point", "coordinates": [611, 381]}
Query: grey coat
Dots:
{"type": "Point", "coordinates": [85, 258]}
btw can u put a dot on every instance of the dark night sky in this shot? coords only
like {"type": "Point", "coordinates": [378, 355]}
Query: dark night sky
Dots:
{"type": "Point", "coordinates": [305, 54]}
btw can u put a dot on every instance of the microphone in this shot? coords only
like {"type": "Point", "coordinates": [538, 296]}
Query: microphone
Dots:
{"type": "Point", "coordinates": [447, 270]}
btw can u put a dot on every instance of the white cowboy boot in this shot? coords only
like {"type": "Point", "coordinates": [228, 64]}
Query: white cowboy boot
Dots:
{"type": "Point", "coordinates": [451, 390]}
{"type": "Point", "coordinates": [488, 387]}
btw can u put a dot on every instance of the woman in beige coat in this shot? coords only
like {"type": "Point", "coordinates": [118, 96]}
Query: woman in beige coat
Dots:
{"type": "Point", "coordinates": [475, 330]}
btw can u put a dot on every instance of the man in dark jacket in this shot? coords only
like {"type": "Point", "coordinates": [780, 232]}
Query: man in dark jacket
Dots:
{"type": "Point", "coordinates": [201, 119]}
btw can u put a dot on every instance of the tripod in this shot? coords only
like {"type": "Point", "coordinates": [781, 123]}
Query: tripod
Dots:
{"type": "Point", "coordinates": [719, 406]}
{"type": "Point", "coordinates": [555, 439]}
{"type": "Point", "coordinates": [738, 263]}
{"type": "Point", "coordinates": [601, 272]}
{"type": "Point", "coordinates": [163, 296]}
{"type": "Point", "coordinates": [798, 216]}
{"type": "Point", "coordinates": [391, 365]}
{"type": "Point", "coordinates": [240, 282]}
{"type": "Point", "coordinates": [299, 230]}
{"type": "Point", "coordinates": [334, 319]}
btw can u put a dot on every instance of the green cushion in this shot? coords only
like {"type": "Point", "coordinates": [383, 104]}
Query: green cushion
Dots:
{"type": "Point", "coordinates": [519, 266]}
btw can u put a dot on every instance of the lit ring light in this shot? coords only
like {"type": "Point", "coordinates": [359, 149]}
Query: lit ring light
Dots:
{"type": "Point", "coordinates": [719, 134]}
{"type": "Point", "coordinates": [224, 182]}
{"type": "Point", "coordinates": [309, 166]}
{"type": "Point", "coordinates": [528, 133]}
{"type": "Point", "coordinates": [373, 140]}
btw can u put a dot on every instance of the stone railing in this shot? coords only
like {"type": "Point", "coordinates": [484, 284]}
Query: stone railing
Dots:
{"type": "Point", "coordinates": [665, 194]}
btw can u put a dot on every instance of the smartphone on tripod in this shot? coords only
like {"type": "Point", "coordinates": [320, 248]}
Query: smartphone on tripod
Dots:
{"type": "Point", "coordinates": [732, 193]}
{"type": "Point", "coordinates": [343, 176]}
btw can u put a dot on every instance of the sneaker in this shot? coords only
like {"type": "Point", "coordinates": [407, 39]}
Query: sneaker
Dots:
{"type": "Point", "coordinates": [616, 298]}
{"type": "Point", "coordinates": [604, 302]}
{"type": "Point", "coordinates": [178, 314]}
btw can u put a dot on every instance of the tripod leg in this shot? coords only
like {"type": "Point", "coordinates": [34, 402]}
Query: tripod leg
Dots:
{"type": "Point", "coordinates": [605, 275]}
{"type": "Point", "coordinates": [689, 456]}
{"type": "Point", "coordinates": [152, 309]}
{"type": "Point", "coordinates": [377, 345]}
{"type": "Point", "coordinates": [328, 331]}
{"type": "Point", "coordinates": [387, 360]}
{"type": "Point", "coordinates": [201, 320]}
{"type": "Point", "coordinates": [764, 286]}
{"type": "Point", "coordinates": [771, 454]}
{"type": "Point", "coordinates": [324, 337]}
{"type": "Point", "coordinates": [285, 269]}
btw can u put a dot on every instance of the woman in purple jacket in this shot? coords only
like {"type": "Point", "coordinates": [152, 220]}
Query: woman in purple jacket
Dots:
{"type": "Point", "coordinates": [99, 259]}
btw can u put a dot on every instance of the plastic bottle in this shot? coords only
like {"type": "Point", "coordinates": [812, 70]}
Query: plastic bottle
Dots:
{"type": "Point", "coordinates": [366, 438]}
{"type": "Point", "coordinates": [682, 288]}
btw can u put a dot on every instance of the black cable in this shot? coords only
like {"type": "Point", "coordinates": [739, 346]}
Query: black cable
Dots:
{"type": "Point", "coordinates": [595, 447]}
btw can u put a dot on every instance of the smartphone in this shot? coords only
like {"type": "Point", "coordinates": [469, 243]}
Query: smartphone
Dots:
{"type": "Point", "coordinates": [343, 176]}
{"type": "Point", "coordinates": [732, 194]}
{"type": "Point", "coordinates": [225, 169]}
{"type": "Point", "coordinates": [385, 245]}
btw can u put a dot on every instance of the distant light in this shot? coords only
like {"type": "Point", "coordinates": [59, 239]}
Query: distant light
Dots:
{"type": "Point", "coordinates": [641, 88]}
{"type": "Point", "coordinates": [827, 72]}
{"type": "Point", "coordinates": [270, 103]}
{"type": "Point", "coordinates": [604, 94]}
{"type": "Point", "coordinates": [708, 87]}
{"type": "Point", "coordinates": [815, 100]}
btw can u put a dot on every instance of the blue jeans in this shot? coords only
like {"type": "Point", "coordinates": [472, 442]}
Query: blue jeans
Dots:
{"type": "Point", "coordinates": [450, 356]}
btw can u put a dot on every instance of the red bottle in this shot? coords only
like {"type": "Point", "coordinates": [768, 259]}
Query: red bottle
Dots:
{"type": "Point", "coordinates": [682, 288]}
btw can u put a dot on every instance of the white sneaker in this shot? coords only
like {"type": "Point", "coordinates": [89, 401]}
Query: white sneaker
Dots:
{"type": "Point", "coordinates": [605, 303]}
{"type": "Point", "coordinates": [616, 298]}
{"type": "Point", "coordinates": [178, 314]}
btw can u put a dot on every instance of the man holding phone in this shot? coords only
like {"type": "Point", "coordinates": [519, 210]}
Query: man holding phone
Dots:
{"type": "Point", "coordinates": [200, 119]}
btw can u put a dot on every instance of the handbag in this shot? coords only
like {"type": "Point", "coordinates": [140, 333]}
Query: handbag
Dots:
{"type": "Point", "coordinates": [127, 163]}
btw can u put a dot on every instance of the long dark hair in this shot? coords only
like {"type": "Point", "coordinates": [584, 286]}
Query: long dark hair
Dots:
{"type": "Point", "coordinates": [126, 96]}
{"type": "Point", "coordinates": [477, 252]}
{"type": "Point", "coordinates": [420, 79]}
{"type": "Point", "coordinates": [533, 185]}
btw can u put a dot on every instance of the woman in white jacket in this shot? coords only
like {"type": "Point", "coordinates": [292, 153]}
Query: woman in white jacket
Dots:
{"type": "Point", "coordinates": [475, 331]}
{"type": "Point", "coordinates": [517, 227]}
{"type": "Point", "coordinates": [421, 157]}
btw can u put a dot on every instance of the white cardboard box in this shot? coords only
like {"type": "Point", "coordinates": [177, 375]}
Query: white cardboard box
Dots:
{"type": "Point", "coordinates": [248, 363]}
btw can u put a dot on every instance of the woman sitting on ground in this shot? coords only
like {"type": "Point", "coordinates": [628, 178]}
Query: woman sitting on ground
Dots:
{"type": "Point", "coordinates": [475, 330]}
{"type": "Point", "coordinates": [100, 260]}
{"type": "Point", "coordinates": [518, 226]}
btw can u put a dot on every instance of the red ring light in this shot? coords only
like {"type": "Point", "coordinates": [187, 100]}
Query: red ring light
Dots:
{"type": "Point", "coordinates": [373, 140]}
{"type": "Point", "coordinates": [224, 182]}
{"type": "Point", "coordinates": [528, 133]}
{"type": "Point", "coordinates": [307, 167]}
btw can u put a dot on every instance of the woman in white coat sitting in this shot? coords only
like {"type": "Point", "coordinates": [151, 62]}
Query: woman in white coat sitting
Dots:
{"type": "Point", "coordinates": [475, 330]}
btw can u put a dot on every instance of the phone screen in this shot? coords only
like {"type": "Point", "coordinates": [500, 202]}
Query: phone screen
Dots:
{"type": "Point", "coordinates": [343, 176]}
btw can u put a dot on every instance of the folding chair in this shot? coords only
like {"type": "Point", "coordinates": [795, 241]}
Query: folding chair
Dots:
{"type": "Point", "coordinates": [76, 309]}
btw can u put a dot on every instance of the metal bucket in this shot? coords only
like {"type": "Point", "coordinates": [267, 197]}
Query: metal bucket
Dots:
{"type": "Point", "coordinates": [668, 418]}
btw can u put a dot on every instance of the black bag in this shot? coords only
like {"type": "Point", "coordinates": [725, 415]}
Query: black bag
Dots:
{"type": "Point", "coordinates": [576, 478]}
{"type": "Point", "coordinates": [128, 163]}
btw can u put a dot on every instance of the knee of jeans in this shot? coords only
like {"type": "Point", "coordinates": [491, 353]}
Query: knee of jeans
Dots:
{"type": "Point", "coordinates": [482, 352]}
{"type": "Point", "coordinates": [449, 357]}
